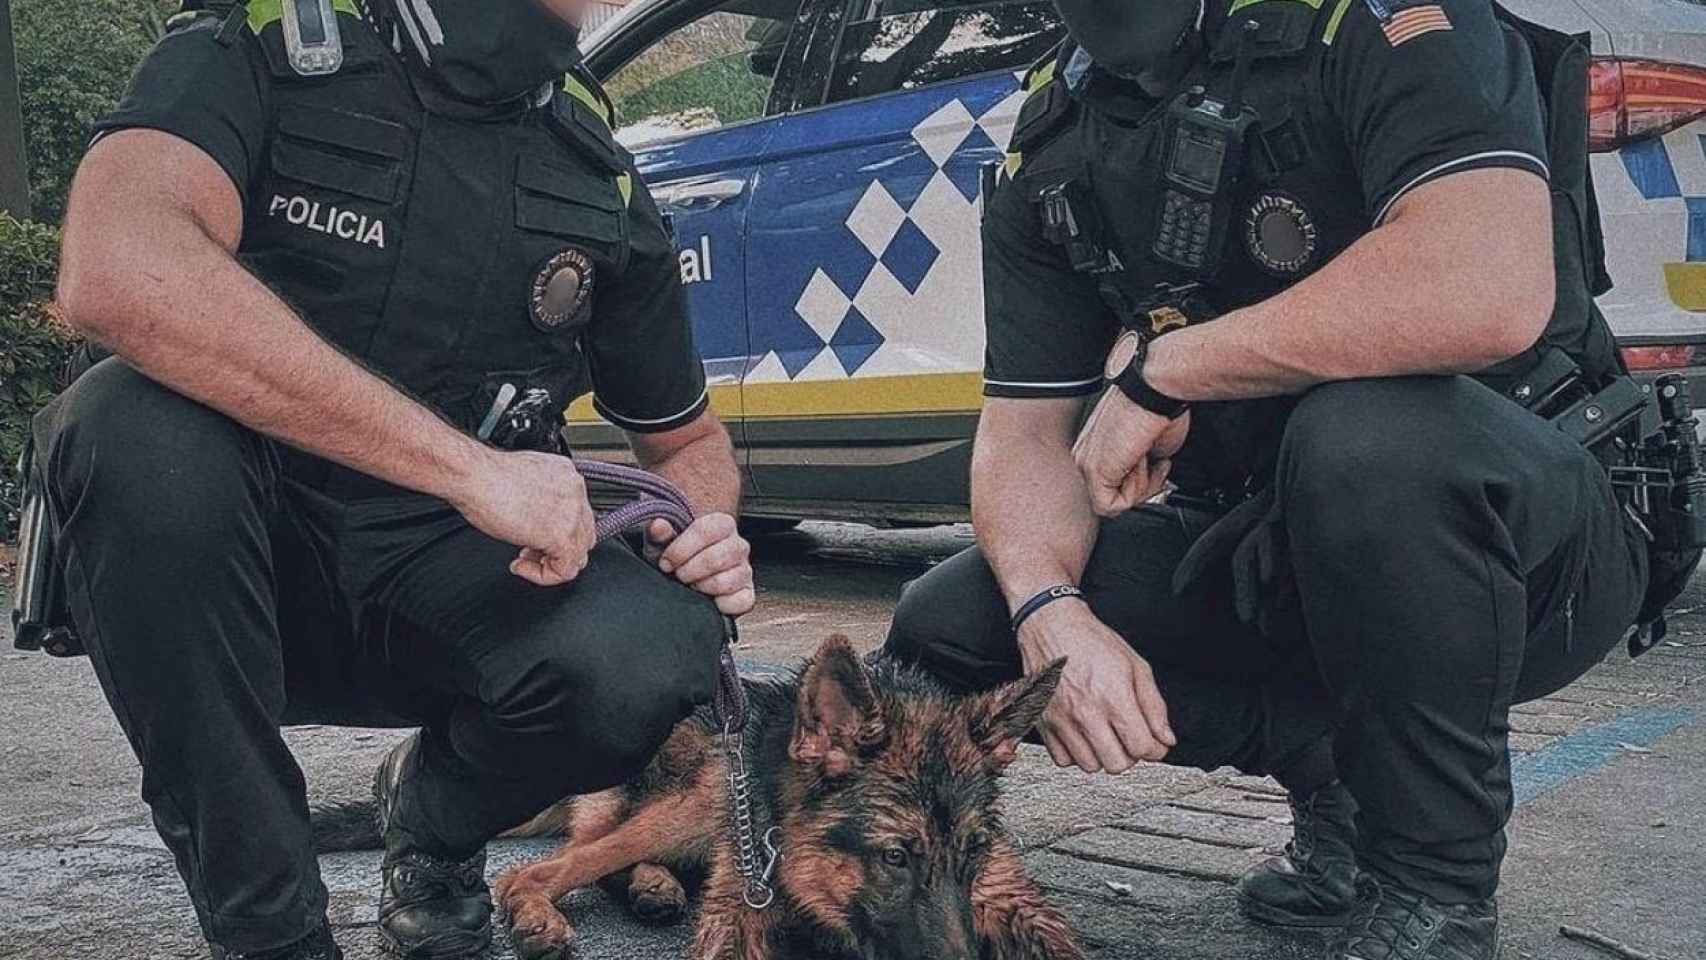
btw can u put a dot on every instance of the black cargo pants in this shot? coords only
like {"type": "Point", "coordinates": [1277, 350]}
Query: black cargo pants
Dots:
{"type": "Point", "coordinates": [220, 596]}
{"type": "Point", "coordinates": [1439, 554]}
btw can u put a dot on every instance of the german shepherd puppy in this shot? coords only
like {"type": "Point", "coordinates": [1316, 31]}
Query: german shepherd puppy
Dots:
{"type": "Point", "coordinates": [884, 792]}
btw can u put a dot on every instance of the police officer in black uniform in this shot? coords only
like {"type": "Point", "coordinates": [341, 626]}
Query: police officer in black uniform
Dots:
{"type": "Point", "coordinates": [1319, 260]}
{"type": "Point", "coordinates": [335, 249]}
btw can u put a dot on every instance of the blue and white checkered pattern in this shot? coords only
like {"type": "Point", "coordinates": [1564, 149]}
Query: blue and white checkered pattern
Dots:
{"type": "Point", "coordinates": [915, 264]}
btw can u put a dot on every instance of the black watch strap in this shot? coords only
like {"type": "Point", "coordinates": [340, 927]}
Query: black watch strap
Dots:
{"type": "Point", "coordinates": [1137, 389]}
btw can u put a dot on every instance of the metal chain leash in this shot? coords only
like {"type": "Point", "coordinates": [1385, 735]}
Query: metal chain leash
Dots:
{"type": "Point", "coordinates": [756, 889]}
{"type": "Point", "coordinates": [658, 499]}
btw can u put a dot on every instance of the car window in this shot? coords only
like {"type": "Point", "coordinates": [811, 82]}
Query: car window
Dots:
{"type": "Point", "coordinates": [713, 71]}
{"type": "Point", "coordinates": [914, 43]}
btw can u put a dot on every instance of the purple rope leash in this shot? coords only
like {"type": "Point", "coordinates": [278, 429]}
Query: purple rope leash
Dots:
{"type": "Point", "coordinates": [657, 499]}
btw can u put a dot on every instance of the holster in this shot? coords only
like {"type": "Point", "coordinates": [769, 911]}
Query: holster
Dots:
{"type": "Point", "coordinates": [41, 611]}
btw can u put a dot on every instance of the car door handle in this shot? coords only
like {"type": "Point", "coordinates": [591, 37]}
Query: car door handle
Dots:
{"type": "Point", "coordinates": [704, 193]}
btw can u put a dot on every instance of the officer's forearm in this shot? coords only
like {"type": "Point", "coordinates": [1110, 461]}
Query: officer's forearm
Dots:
{"type": "Point", "coordinates": [699, 459]}
{"type": "Point", "coordinates": [1029, 505]}
{"type": "Point", "coordinates": [150, 274]}
{"type": "Point", "coordinates": [1458, 279]}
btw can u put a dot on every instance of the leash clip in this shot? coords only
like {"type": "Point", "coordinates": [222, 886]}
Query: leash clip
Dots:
{"type": "Point", "coordinates": [759, 893]}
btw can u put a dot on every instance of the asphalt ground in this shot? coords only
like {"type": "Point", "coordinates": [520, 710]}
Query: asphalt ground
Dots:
{"type": "Point", "coordinates": [1609, 832]}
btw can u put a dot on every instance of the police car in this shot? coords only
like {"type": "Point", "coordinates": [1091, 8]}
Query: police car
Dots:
{"type": "Point", "coordinates": [820, 161]}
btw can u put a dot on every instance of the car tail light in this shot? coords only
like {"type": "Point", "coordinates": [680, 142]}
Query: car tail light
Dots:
{"type": "Point", "coordinates": [1630, 100]}
{"type": "Point", "coordinates": [1650, 358]}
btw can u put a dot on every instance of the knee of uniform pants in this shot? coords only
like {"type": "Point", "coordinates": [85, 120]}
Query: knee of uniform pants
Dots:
{"type": "Point", "coordinates": [1364, 462]}
{"type": "Point", "coordinates": [147, 465]}
{"type": "Point", "coordinates": [607, 682]}
{"type": "Point", "coordinates": [1356, 447]}
{"type": "Point", "coordinates": [952, 623]}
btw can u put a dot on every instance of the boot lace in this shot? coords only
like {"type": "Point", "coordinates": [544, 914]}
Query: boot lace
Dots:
{"type": "Point", "coordinates": [417, 877]}
{"type": "Point", "coordinates": [1386, 925]}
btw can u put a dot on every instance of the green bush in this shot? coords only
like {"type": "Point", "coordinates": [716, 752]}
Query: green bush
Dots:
{"type": "Point", "coordinates": [74, 59]}
{"type": "Point", "coordinates": [33, 347]}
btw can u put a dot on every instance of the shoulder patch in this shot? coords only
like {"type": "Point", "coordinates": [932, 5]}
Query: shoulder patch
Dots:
{"type": "Point", "coordinates": [1405, 20]}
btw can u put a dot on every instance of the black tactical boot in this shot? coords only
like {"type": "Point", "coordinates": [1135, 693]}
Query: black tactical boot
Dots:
{"type": "Point", "coordinates": [318, 945]}
{"type": "Point", "coordinates": [1391, 923]}
{"type": "Point", "coordinates": [1314, 883]}
{"type": "Point", "coordinates": [431, 907]}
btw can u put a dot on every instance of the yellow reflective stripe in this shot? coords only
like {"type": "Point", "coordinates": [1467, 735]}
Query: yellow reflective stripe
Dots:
{"type": "Point", "coordinates": [625, 186]}
{"type": "Point", "coordinates": [584, 94]}
{"type": "Point", "coordinates": [1040, 77]}
{"type": "Point", "coordinates": [1238, 5]}
{"type": "Point", "coordinates": [1335, 20]}
{"type": "Point", "coordinates": [263, 12]}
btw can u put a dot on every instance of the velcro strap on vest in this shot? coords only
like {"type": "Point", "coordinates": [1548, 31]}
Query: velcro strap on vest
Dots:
{"type": "Point", "coordinates": [1284, 28]}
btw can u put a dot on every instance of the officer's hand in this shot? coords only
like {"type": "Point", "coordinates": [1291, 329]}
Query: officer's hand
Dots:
{"type": "Point", "coordinates": [1108, 713]}
{"type": "Point", "coordinates": [711, 557]}
{"type": "Point", "coordinates": [538, 502]}
{"type": "Point", "coordinates": [1125, 453]}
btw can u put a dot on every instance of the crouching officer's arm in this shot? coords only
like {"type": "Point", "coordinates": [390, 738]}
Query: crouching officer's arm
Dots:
{"type": "Point", "coordinates": [1447, 139]}
{"type": "Point", "coordinates": [1030, 508]}
{"type": "Point", "coordinates": [648, 379]}
{"type": "Point", "coordinates": [149, 271]}
{"type": "Point", "coordinates": [1108, 712]}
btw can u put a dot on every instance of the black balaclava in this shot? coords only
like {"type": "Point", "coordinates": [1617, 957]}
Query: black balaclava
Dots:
{"type": "Point", "coordinates": [1133, 38]}
{"type": "Point", "coordinates": [480, 52]}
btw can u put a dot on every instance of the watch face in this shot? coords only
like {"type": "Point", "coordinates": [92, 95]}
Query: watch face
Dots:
{"type": "Point", "coordinates": [1120, 357]}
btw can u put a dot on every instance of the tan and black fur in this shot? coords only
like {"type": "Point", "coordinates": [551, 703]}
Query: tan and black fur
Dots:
{"type": "Point", "coordinates": [886, 794]}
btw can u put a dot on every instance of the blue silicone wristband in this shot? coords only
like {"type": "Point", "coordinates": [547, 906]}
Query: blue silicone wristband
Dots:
{"type": "Point", "coordinates": [1062, 591]}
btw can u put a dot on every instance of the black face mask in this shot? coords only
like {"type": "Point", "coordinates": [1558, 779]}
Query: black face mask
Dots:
{"type": "Point", "coordinates": [481, 52]}
{"type": "Point", "coordinates": [1134, 38]}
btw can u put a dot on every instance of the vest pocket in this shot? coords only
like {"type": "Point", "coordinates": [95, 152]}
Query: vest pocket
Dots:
{"type": "Point", "coordinates": [562, 201]}
{"type": "Point", "coordinates": [347, 152]}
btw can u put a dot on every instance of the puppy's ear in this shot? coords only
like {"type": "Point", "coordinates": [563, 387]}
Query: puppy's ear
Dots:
{"type": "Point", "coordinates": [1002, 717]}
{"type": "Point", "coordinates": [836, 717]}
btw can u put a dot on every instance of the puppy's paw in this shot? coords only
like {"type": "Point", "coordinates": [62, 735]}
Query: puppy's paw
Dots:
{"type": "Point", "coordinates": [538, 930]}
{"type": "Point", "coordinates": [655, 895]}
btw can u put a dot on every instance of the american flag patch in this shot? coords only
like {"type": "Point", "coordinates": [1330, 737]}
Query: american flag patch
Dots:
{"type": "Point", "coordinates": [1410, 23]}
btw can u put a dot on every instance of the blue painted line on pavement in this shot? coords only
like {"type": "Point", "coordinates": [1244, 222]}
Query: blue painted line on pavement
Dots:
{"type": "Point", "coordinates": [1587, 750]}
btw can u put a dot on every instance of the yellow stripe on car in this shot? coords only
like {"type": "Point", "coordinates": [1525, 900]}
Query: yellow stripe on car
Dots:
{"type": "Point", "coordinates": [1687, 285]}
{"type": "Point", "coordinates": [860, 397]}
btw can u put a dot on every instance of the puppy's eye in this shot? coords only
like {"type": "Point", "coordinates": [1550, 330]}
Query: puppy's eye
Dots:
{"type": "Point", "coordinates": [895, 856]}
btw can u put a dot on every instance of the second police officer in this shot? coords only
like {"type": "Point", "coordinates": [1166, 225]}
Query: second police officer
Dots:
{"type": "Point", "coordinates": [1329, 266]}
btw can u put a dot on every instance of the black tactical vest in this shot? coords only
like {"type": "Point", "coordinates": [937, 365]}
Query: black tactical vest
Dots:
{"type": "Point", "coordinates": [1298, 176]}
{"type": "Point", "coordinates": [413, 239]}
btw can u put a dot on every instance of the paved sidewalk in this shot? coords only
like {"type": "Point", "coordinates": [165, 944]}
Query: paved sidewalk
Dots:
{"type": "Point", "coordinates": [1610, 831]}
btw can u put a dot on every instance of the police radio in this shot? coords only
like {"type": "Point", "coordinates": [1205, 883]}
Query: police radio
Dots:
{"type": "Point", "coordinates": [1205, 160]}
{"type": "Point", "coordinates": [312, 41]}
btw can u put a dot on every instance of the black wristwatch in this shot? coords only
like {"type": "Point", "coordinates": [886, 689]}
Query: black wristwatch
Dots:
{"type": "Point", "coordinates": [1125, 370]}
